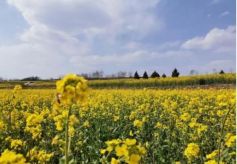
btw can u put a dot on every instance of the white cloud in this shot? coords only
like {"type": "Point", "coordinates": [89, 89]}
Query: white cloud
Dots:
{"type": "Point", "coordinates": [53, 39]}
{"type": "Point", "coordinates": [66, 34]}
{"type": "Point", "coordinates": [218, 40]}
{"type": "Point", "coordinates": [83, 16]}
{"type": "Point", "coordinates": [85, 35]}
{"type": "Point", "coordinates": [27, 60]}
{"type": "Point", "coordinates": [225, 13]}
{"type": "Point", "coordinates": [170, 45]}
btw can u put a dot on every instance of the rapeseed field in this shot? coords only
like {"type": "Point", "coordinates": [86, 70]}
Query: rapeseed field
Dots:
{"type": "Point", "coordinates": [76, 124]}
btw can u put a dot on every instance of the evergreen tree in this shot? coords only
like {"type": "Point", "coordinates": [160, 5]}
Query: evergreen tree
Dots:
{"type": "Point", "coordinates": [155, 74]}
{"type": "Point", "coordinates": [222, 72]}
{"type": "Point", "coordinates": [164, 75]}
{"type": "Point", "coordinates": [136, 75]}
{"type": "Point", "coordinates": [145, 76]}
{"type": "Point", "coordinates": [175, 73]}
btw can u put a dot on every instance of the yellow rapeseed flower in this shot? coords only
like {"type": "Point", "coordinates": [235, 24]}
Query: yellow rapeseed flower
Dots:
{"type": "Point", "coordinates": [17, 88]}
{"type": "Point", "coordinates": [116, 118]}
{"type": "Point", "coordinates": [33, 125]}
{"type": "Point", "coordinates": [212, 154]}
{"type": "Point", "coordinates": [16, 143]}
{"type": "Point", "coordinates": [211, 162]}
{"type": "Point", "coordinates": [2, 125]}
{"type": "Point", "coordinates": [201, 128]}
{"type": "Point", "coordinates": [71, 89]}
{"type": "Point", "coordinates": [121, 150]}
{"type": "Point", "coordinates": [55, 140]}
{"type": "Point", "coordinates": [114, 161]}
{"type": "Point", "coordinates": [134, 159]}
{"type": "Point", "coordinates": [230, 140]}
{"type": "Point", "coordinates": [130, 142]}
{"type": "Point", "coordinates": [86, 124]}
{"type": "Point", "coordinates": [113, 142]}
{"type": "Point", "coordinates": [159, 125]}
{"type": "Point", "coordinates": [191, 151]}
{"type": "Point", "coordinates": [102, 151]}
{"type": "Point", "coordinates": [141, 149]}
{"type": "Point", "coordinates": [185, 117]}
{"type": "Point", "coordinates": [10, 157]}
{"type": "Point", "coordinates": [109, 148]}
{"type": "Point", "coordinates": [41, 155]}
{"type": "Point", "coordinates": [138, 123]}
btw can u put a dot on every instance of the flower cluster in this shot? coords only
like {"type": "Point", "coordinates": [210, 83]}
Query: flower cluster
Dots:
{"type": "Point", "coordinates": [192, 151]}
{"type": "Point", "coordinates": [128, 151]}
{"type": "Point", "coordinates": [71, 89]}
{"type": "Point", "coordinates": [39, 155]}
{"type": "Point", "coordinates": [10, 157]}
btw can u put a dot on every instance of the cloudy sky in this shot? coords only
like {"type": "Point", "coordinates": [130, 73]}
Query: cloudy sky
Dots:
{"type": "Point", "coordinates": [49, 38]}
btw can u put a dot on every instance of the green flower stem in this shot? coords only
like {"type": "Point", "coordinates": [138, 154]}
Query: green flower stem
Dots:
{"type": "Point", "coordinates": [221, 136]}
{"type": "Point", "coordinates": [67, 145]}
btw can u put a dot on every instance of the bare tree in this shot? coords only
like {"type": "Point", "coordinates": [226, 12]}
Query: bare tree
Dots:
{"type": "Point", "coordinates": [122, 74]}
{"type": "Point", "coordinates": [97, 74]}
{"type": "Point", "coordinates": [85, 75]}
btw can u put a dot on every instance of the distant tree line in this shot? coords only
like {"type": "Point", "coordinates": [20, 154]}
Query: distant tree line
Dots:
{"type": "Point", "coordinates": [175, 73]}
{"type": "Point", "coordinates": [31, 78]}
{"type": "Point", "coordinates": [120, 74]}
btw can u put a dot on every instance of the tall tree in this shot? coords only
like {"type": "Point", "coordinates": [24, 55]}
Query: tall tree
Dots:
{"type": "Point", "coordinates": [155, 75]}
{"type": "Point", "coordinates": [164, 75]}
{"type": "Point", "coordinates": [136, 75]}
{"type": "Point", "coordinates": [222, 72]}
{"type": "Point", "coordinates": [145, 75]}
{"type": "Point", "coordinates": [175, 73]}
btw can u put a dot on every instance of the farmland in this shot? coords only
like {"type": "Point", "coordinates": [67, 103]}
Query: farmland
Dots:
{"type": "Point", "coordinates": [117, 125]}
{"type": "Point", "coordinates": [228, 79]}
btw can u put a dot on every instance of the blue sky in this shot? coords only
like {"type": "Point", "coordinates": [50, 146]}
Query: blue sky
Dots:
{"type": "Point", "coordinates": [50, 38]}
